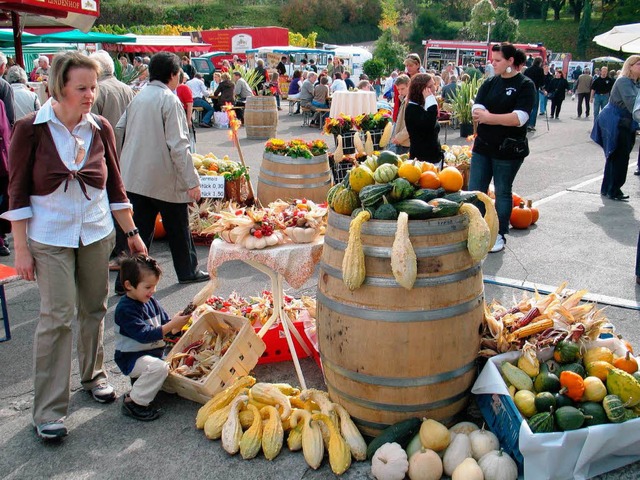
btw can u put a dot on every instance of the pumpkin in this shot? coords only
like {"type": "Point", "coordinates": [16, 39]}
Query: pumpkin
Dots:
{"type": "Point", "coordinates": [521, 217]}
{"type": "Point", "coordinates": [389, 462]}
{"type": "Point", "coordinates": [599, 369]}
{"type": "Point", "coordinates": [451, 179]}
{"type": "Point", "coordinates": [434, 435]}
{"type": "Point", "coordinates": [410, 172]}
{"type": "Point", "coordinates": [429, 180]}
{"type": "Point", "coordinates": [464, 427]}
{"type": "Point", "coordinates": [535, 213]}
{"type": "Point", "coordinates": [482, 441]}
{"type": "Point", "coordinates": [572, 385]}
{"type": "Point", "coordinates": [385, 173]}
{"type": "Point", "coordinates": [517, 199]}
{"type": "Point", "coordinates": [566, 351]}
{"type": "Point", "coordinates": [468, 470]}
{"type": "Point", "coordinates": [596, 354]}
{"type": "Point", "coordinates": [425, 465]}
{"type": "Point", "coordinates": [594, 390]}
{"type": "Point", "coordinates": [497, 465]}
{"type": "Point", "coordinates": [456, 453]}
{"type": "Point", "coordinates": [628, 363]}
{"type": "Point", "coordinates": [345, 201]}
{"type": "Point", "coordinates": [525, 402]}
{"type": "Point", "coordinates": [360, 177]}
{"type": "Point", "coordinates": [158, 231]}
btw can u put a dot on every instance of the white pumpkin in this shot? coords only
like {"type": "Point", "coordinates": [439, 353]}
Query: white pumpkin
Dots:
{"type": "Point", "coordinates": [482, 442]}
{"type": "Point", "coordinates": [497, 465]}
{"type": "Point", "coordinates": [425, 465]}
{"type": "Point", "coordinates": [389, 462]}
{"type": "Point", "coordinates": [456, 453]}
{"type": "Point", "coordinates": [464, 427]}
{"type": "Point", "coordinates": [468, 470]}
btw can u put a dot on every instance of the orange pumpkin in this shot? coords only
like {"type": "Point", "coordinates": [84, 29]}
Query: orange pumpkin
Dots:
{"type": "Point", "coordinates": [451, 179]}
{"type": "Point", "coordinates": [159, 232]}
{"type": "Point", "coordinates": [628, 363]}
{"type": "Point", "coordinates": [517, 199]}
{"type": "Point", "coordinates": [521, 217]}
{"type": "Point", "coordinates": [535, 214]}
{"type": "Point", "coordinates": [429, 179]}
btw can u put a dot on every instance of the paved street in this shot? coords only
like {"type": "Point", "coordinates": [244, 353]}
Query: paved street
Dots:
{"type": "Point", "coordinates": [581, 238]}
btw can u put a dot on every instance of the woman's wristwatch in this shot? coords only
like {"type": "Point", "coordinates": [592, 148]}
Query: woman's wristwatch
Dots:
{"type": "Point", "coordinates": [132, 233]}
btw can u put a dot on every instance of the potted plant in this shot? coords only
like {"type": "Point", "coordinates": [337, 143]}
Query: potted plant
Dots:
{"type": "Point", "coordinates": [462, 102]}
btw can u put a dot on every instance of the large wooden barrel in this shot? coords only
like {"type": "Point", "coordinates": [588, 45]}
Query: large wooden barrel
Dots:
{"type": "Point", "coordinates": [261, 117]}
{"type": "Point", "coordinates": [288, 177]}
{"type": "Point", "coordinates": [389, 354]}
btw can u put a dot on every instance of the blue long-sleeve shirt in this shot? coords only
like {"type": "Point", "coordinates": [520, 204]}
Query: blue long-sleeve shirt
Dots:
{"type": "Point", "coordinates": [138, 331]}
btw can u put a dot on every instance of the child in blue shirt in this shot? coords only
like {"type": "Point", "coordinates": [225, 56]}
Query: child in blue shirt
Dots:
{"type": "Point", "coordinates": [140, 326]}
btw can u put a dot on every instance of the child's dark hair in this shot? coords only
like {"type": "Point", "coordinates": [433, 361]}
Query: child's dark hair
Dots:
{"type": "Point", "coordinates": [131, 268]}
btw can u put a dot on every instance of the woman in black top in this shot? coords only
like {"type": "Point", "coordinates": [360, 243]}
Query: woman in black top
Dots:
{"type": "Point", "coordinates": [501, 109]}
{"type": "Point", "coordinates": [224, 92]}
{"type": "Point", "coordinates": [421, 119]}
{"type": "Point", "coordinates": [557, 89]}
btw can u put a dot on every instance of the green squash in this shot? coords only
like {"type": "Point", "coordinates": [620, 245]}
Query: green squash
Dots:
{"type": "Point", "coordinates": [614, 408]}
{"type": "Point", "coordinates": [462, 196]}
{"type": "Point", "coordinates": [569, 418]}
{"type": "Point", "coordinates": [542, 422]}
{"type": "Point", "coordinates": [372, 194]}
{"type": "Point", "coordinates": [546, 381]}
{"type": "Point", "coordinates": [595, 411]}
{"type": "Point", "coordinates": [387, 157]}
{"type": "Point", "coordinates": [386, 211]}
{"type": "Point", "coordinates": [563, 400]}
{"type": "Point", "coordinates": [332, 193]}
{"type": "Point", "coordinates": [385, 173]}
{"type": "Point", "coordinates": [416, 209]}
{"type": "Point", "coordinates": [444, 208]}
{"type": "Point", "coordinates": [355, 213]}
{"type": "Point", "coordinates": [428, 194]}
{"type": "Point", "coordinates": [545, 401]}
{"type": "Point", "coordinates": [402, 189]}
{"type": "Point", "coordinates": [345, 201]}
{"type": "Point", "coordinates": [572, 367]}
{"type": "Point", "coordinates": [566, 351]}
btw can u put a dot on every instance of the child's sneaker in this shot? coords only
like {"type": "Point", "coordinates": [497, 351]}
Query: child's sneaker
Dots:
{"type": "Point", "coordinates": [133, 410]}
{"type": "Point", "coordinates": [103, 393]}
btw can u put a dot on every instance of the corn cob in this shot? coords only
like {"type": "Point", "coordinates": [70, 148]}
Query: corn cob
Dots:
{"type": "Point", "coordinates": [232, 430]}
{"type": "Point", "coordinates": [339, 453]}
{"type": "Point", "coordinates": [351, 434]}
{"type": "Point", "coordinates": [271, 395]}
{"type": "Point", "coordinates": [251, 440]}
{"type": "Point", "coordinates": [273, 433]}
{"type": "Point", "coordinates": [312, 443]}
{"type": "Point", "coordinates": [223, 398]}
{"type": "Point", "coordinates": [215, 422]}
{"type": "Point", "coordinates": [538, 326]}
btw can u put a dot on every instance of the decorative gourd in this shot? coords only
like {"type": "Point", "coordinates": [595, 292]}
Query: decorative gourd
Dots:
{"type": "Point", "coordinates": [332, 193]}
{"type": "Point", "coordinates": [562, 400]}
{"type": "Point", "coordinates": [351, 434]}
{"type": "Point", "coordinates": [569, 418]}
{"type": "Point", "coordinates": [410, 172]}
{"type": "Point", "coordinates": [444, 208]}
{"type": "Point", "coordinates": [345, 201]}
{"type": "Point", "coordinates": [462, 196]}
{"type": "Point", "coordinates": [482, 442]}
{"type": "Point", "coordinates": [368, 143]}
{"type": "Point", "coordinates": [545, 401]}
{"type": "Point", "coordinates": [594, 414]}
{"type": "Point", "coordinates": [525, 402]}
{"type": "Point", "coordinates": [516, 377]}
{"type": "Point", "coordinates": [479, 239]}
{"type": "Point", "coordinates": [457, 451]}
{"type": "Point", "coordinates": [595, 354]}
{"type": "Point", "coordinates": [371, 163]}
{"type": "Point", "coordinates": [401, 189]}
{"type": "Point", "coordinates": [594, 390]}
{"type": "Point", "coordinates": [339, 453]}
{"type": "Point", "coordinates": [625, 386]}
{"type": "Point", "coordinates": [386, 135]}
{"type": "Point", "coordinates": [357, 142]}
{"type": "Point", "coordinates": [566, 351]}
{"type": "Point", "coordinates": [353, 269]}
{"type": "Point", "coordinates": [371, 211]}
{"type": "Point", "coordinates": [614, 408]}
{"type": "Point", "coordinates": [572, 385]}
{"type": "Point", "coordinates": [575, 367]}
{"type": "Point", "coordinates": [294, 439]}
{"type": "Point", "coordinates": [272, 432]}
{"type": "Point", "coordinates": [385, 173]}
{"type": "Point", "coordinates": [389, 462]}
{"type": "Point", "coordinates": [434, 435]}
{"type": "Point", "coordinates": [416, 209]}
{"type": "Point", "coordinates": [497, 465]}
{"type": "Point", "coordinates": [535, 213]}
{"type": "Point", "coordinates": [490, 215]}
{"type": "Point", "coordinates": [528, 361]}
{"type": "Point", "coordinates": [521, 217]}
{"type": "Point", "coordinates": [360, 177]}
{"type": "Point", "coordinates": [628, 363]}
{"type": "Point", "coordinates": [468, 470]}
{"type": "Point", "coordinates": [338, 154]}
{"type": "Point", "coordinates": [387, 156]}
{"type": "Point", "coordinates": [404, 263]}
{"type": "Point", "coordinates": [372, 194]}
{"type": "Point", "coordinates": [542, 422]}
{"type": "Point", "coordinates": [251, 441]}
{"type": "Point", "coordinates": [312, 444]}
{"type": "Point", "coordinates": [414, 446]}
{"type": "Point", "coordinates": [599, 369]}
{"type": "Point", "coordinates": [546, 381]}
{"type": "Point", "coordinates": [464, 427]}
{"type": "Point", "coordinates": [386, 211]}
{"type": "Point", "coordinates": [428, 194]}
{"type": "Point", "coordinates": [232, 430]}
{"type": "Point", "coordinates": [425, 465]}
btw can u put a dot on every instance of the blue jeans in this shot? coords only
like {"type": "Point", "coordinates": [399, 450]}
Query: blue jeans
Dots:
{"type": "Point", "coordinates": [503, 172]}
{"type": "Point", "coordinates": [599, 102]}
{"type": "Point", "coordinates": [533, 116]}
{"type": "Point", "coordinates": [208, 109]}
{"type": "Point", "coordinates": [543, 102]}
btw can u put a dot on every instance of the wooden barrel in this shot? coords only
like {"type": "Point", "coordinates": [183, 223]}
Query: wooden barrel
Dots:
{"type": "Point", "coordinates": [288, 177]}
{"type": "Point", "coordinates": [389, 354]}
{"type": "Point", "coordinates": [260, 117]}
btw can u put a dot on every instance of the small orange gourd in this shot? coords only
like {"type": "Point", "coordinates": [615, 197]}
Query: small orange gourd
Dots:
{"type": "Point", "coordinates": [628, 363]}
{"type": "Point", "coordinates": [535, 214]}
{"type": "Point", "coordinates": [517, 199]}
{"type": "Point", "coordinates": [572, 385]}
{"type": "Point", "coordinates": [521, 217]}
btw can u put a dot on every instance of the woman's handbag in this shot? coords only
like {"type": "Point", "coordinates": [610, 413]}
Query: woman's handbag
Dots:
{"type": "Point", "coordinates": [514, 148]}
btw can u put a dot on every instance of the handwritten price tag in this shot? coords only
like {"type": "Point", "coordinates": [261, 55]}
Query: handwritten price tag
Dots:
{"type": "Point", "coordinates": [212, 187]}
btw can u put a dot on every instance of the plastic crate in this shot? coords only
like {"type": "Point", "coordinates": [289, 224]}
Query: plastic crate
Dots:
{"type": "Point", "coordinates": [277, 348]}
{"type": "Point", "coordinates": [503, 419]}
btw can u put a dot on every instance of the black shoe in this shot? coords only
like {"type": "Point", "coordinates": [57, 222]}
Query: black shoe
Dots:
{"type": "Point", "coordinates": [621, 197]}
{"type": "Point", "coordinates": [133, 410]}
{"type": "Point", "coordinates": [4, 251]}
{"type": "Point", "coordinates": [200, 276]}
{"type": "Point", "coordinates": [637, 172]}
{"type": "Point", "coordinates": [205, 125]}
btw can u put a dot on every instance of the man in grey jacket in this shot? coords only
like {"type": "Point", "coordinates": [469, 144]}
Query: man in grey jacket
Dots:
{"type": "Point", "coordinates": [156, 163]}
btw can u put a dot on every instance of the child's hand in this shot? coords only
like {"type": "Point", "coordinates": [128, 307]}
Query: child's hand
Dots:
{"type": "Point", "coordinates": [176, 323]}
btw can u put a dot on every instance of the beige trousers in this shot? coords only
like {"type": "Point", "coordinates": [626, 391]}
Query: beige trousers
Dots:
{"type": "Point", "coordinates": [150, 373]}
{"type": "Point", "coordinates": [73, 282]}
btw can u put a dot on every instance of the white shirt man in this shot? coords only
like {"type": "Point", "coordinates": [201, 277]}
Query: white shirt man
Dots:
{"type": "Point", "coordinates": [338, 84]}
{"type": "Point", "coordinates": [197, 86]}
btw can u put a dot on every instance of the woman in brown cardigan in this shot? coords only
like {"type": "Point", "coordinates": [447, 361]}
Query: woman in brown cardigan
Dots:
{"type": "Point", "coordinates": [64, 183]}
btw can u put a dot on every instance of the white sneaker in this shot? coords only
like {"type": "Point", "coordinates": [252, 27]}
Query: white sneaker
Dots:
{"type": "Point", "coordinates": [52, 430]}
{"type": "Point", "coordinates": [103, 393]}
{"type": "Point", "coordinates": [499, 245]}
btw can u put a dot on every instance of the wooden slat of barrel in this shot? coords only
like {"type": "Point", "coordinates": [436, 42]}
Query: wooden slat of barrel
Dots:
{"type": "Point", "coordinates": [287, 178]}
{"type": "Point", "coordinates": [261, 117]}
{"type": "Point", "coordinates": [389, 354]}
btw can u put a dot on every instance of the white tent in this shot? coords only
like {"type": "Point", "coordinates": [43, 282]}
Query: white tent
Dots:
{"type": "Point", "coordinates": [623, 38]}
{"type": "Point", "coordinates": [356, 57]}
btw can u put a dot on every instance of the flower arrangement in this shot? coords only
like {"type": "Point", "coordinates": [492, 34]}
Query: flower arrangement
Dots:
{"type": "Point", "coordinates": [296, 148]}
{"type": "Point", "coordinates": [340, 125]}
{"type": "Point", "coordinates": [373, 121]}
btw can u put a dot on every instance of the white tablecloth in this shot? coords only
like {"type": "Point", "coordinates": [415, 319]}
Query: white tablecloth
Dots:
{"type": "Point", "coordinates": [352, 103]}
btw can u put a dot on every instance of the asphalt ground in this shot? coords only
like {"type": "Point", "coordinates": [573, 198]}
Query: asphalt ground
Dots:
{"type": "Point", "coordinates": [581, 238]}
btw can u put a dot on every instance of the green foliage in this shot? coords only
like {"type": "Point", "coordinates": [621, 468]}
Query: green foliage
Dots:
{"type": "Point", "coordinates": [577, 6]}
{"type": "Point", "coordinates": [389, 16]}
{"type": "Point", "coordinates": [390, 52]}
{"type": "Point", "coordinates": [373, 68]}
{"type": "Point", "coordinates": [482, 13]}
{"type": "Point", "coordinates": [431, 24]}
{"type": "Point", "coordinates": [506, 27]}
{"type": "Point", "coordinates": [557, 5]}
{"type": "Point", "coordinates": [584, 32]}
{"type": "Point", "coordinates": [463, 99]}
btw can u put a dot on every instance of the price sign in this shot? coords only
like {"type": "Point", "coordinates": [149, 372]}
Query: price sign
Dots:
{"type": "Point", "coordinates": [212, 187]}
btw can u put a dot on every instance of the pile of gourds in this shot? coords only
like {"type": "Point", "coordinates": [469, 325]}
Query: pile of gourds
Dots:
{"type": "Point", "coordinates": [523, 213]}
{"type": "Point", "coordinates": [425, 450]}
{"type": "Point", "coordinates": [249, 417]}
{"type": "Point", "coordinates": [574, 389]}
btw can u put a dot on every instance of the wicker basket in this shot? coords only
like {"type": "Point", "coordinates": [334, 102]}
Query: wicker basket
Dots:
{"type": "Point", "coordinates": [240, 359]}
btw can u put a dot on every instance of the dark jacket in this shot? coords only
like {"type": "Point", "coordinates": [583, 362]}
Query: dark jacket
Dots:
{"type": "Point", "coordinates": [225, 90]}
{"type": "Point", "coordinates": [536, 74]}
{"type": "Point", "coordinates": [423, 129]}
{"type": "Point", "coordinates": [558, 88]}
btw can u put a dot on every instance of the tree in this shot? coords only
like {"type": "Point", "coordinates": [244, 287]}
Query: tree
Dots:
{"type": "Point", "coordinates": [482, 13]}
{"type": "Point", "coordinates": [584, 32]}
{"type": "Point", "coordinates": [389, 17]}
{"type": "Point", "coordinates": [506, 28]}
{"type": "Point", "coordinates": [577, 6]}
{"type": "Point", "coordinates": [390, 52]}
{"type": "Point", "coordinates": [430, 24]}
{"type": "Point", "coordinates": [557, 5]}
{"type": "Point", "coordinates": [373, 68]}
{"type": "Point", "coordinates": [544, 10]}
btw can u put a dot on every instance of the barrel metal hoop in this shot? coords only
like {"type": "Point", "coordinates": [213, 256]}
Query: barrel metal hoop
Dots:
{"type": "Point", "coordinates": [385, 252]}
{"type": "Point", "coordinates": [400, 316]}
{"type": "Point", "coordinates": [388, 282]}
{"type": "Point", "coordinates": [294, 161]}
{"type": "Point", "coordinates": [434, 226]}
{"type": "Point", "coordinates": [381, 426]}
{"type": "Point", "coordinates": [294, 185]}
{"type": "Point", "coordinates": [401, 382]}
{"type": "Point", "coordinates": [294, 175]}
{"type": "Point", "coordinates": [392, 407]}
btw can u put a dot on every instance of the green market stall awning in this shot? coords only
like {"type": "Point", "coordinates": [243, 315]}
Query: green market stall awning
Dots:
{"type": "Point", "coordinates": [7, 40]}
{"type": "Point", "coordinates": [78, 36]}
